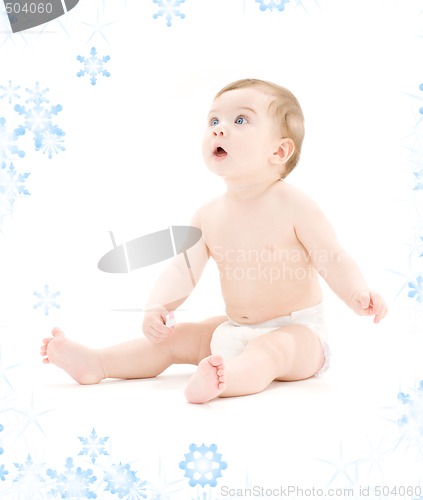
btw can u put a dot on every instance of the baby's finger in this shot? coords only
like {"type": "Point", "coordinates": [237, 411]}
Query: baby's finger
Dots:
{"type": "Point", "coordinates": [364, 300]}
{"type": "Point", "coordinates": [379, 307]}
{"type": "Point", "coordinates": [160, 328]}
{"type": "Point", "coordinates": [381, 313]}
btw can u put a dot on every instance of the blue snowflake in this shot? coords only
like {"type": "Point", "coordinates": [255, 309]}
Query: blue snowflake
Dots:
{"type": "Point", "coordinates": [93, 66]}
{"type": "Point", "coordinates": [37, 95]}
{"type": "Point", "coordinates": [29, 478]}
{"type": "Point", "coordinates": [8, 142]}
{"type": "Point", "coordinates": [9, 92]}
{"type": "Point", "coordinates": [123, 482]}
{"type": "Point", "coordinates": [51, 142]}
{"type": "Point", "coordinates": [12, 186]}
{"type": "Point", "coordinates": [12, 183]}
{"type": "Point", "coordinates": [93, 446]}
{"type": "Point", "coordinates": [272, 4]}
{"type": "Point", "coordinates": [168, 9]}
{"type": "Point", "coordinates": [1, 447]}
{"type": "Point", "coordinates": [3, 472]}
{"type": "Point", "coordinates": [203, 465]}
{"type": "Point", "coordinates": [73, 483]}
{"type": "Point", "coordinates": [411, 417]}
{"type": "Point", "coordinates": [46, 299]}
{"type": "Point", "coordinates": [419, 179]}
{"type": "Point", "coordinates": [38, 120]}
{"type": "Point", "coordinates": [416, 289]}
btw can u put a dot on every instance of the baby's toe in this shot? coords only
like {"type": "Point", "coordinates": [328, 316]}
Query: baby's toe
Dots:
{"type": "Point", "coordinates": [57, 332]}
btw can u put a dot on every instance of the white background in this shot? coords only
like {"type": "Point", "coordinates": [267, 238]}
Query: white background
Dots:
{"type": "Point", "coordinates": [133, 165]}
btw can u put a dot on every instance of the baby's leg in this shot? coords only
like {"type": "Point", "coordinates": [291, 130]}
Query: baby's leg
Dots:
{"type": "Point", "coordinates": [289, 353]}
{"type": "Point", "coordinates": [188, 343]}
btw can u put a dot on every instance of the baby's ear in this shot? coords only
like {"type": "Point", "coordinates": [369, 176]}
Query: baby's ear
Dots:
{"type": "Point", "coordinates": [284, 151]}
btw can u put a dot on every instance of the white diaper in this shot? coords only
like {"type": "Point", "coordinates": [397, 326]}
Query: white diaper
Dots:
{"type": "Point", "coordinates": [230, 338]}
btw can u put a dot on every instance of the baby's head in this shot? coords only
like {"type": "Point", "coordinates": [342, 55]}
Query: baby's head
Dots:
{"type": "Point", "coordinates": [285, 110]}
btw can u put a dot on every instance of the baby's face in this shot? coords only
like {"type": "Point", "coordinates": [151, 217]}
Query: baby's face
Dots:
{"type": "Point", "coordinates": [241, 137]}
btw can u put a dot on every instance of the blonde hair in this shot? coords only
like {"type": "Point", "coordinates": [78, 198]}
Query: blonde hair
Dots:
{"type": "Point", "coordinates": [286, 110]}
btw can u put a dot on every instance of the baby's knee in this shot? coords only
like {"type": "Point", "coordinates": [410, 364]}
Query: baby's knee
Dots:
{"type": "Point", "coordinates": [275, 351]}
{"type": "Point", "coordinates": [189, 343]}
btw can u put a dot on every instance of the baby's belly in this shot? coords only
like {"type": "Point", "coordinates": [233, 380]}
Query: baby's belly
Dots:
{"type": "Point", "coordinates": [254, 294]}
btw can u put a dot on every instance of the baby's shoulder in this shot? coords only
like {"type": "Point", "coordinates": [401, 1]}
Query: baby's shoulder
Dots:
{"type": "Point", "coordinates": [292, 196]}
{"type": "Point", "coordinates": [210, 205]}
{"type": "Point", "coordinates": [205, 209]}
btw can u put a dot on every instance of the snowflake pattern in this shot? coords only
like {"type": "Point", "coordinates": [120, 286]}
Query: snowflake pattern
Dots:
{"type": "Point", "coordinates": [38, 118]}
{"type": "Point", "coordinates": [203, 465]}
{"type": "Point", "coordinates": [93, 66]}
{"type": "Point", "coordinates": [12, 187]}
{"type": "Point", "coordinates": [10, 92]}
{"type": "Point", "coordinates": [416, 289]}
{"type": "Point", "coordinates": [410, 420]}
{"type": "Point", "coordinates": [46, 300]}
{"type": "Point", "coordinates": [272, 4]}
{"type": "Point", "coordinates": [419, 179]}
{"type": "Point", "coordinates": [1, 447]}
{"type": "Point", "coordinates": [3, 472]}
{"type": "Point", "coordinates": [93, 446]}
{"type": "Point", "coordinates": [123, 482]}
{"type": "Point", "coordinates": [8, 142]}
{"type": "Point", "coordinates": [29, 478]}
{"type": "Point", "coordinates": [12, 183]}
{"type": "Point", "coordinates": [73, 483]}
{"type": "Point", "coordinates": [51, 143]}
{"type": "Point", "coordinates": [31, 105]}
{"type": "Point", "coordinates": [168, 9]}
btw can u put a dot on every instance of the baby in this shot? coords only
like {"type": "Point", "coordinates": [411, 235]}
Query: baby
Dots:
{"type": "Point", "coordinates": [270, 242]}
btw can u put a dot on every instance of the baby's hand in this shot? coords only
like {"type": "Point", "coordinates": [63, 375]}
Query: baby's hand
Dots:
{"type": "Point", "coordinates": [367, 303]}
{"type": "Point", "coordinates": [154, 324]}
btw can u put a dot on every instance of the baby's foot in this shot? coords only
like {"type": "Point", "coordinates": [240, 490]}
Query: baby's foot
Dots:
{"type": "Point", "coordinates": [80, 362]}
{"type": "Point", "coordinates": [208, 381]}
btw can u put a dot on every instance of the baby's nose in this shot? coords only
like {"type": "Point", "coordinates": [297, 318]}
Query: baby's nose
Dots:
{"type": "Point", "coordinates": [218, 130]}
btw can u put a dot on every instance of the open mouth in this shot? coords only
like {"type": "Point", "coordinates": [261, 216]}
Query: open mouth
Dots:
{"type": "Point", "coordinates": [219, 152]}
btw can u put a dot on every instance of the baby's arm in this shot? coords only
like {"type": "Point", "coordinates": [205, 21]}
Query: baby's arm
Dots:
{"type": "Point", "coordinates": [333, 263]}
{"type": "Point", "coordinates": [173, 287]}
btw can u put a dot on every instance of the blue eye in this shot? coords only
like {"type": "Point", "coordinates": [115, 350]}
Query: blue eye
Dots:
{"type": "Point", "coordinates": [240, 120]}
{"type": "Point", "coordinates": [214, 121]}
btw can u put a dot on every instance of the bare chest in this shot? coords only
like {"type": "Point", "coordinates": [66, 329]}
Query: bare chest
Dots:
{"type": "Point", "coordinates": [250, 236]}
